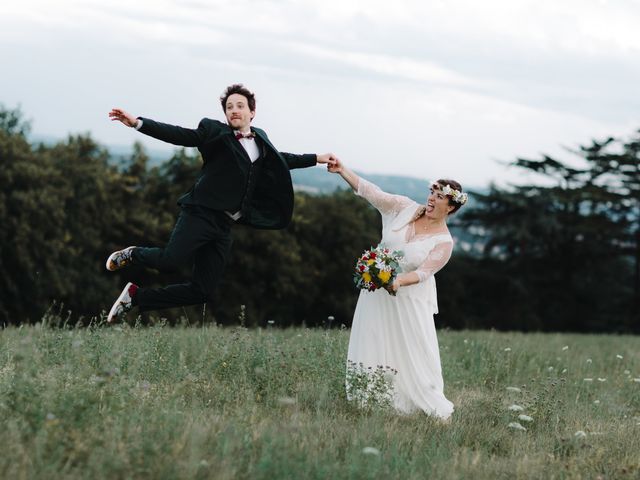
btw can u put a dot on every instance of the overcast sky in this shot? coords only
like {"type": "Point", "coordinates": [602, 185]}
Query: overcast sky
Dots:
{"type": "Point", "coordinates": [417, 87]}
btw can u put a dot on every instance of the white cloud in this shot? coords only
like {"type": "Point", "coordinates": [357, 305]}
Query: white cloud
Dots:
{"type": "Point", "coordinates": [395, 66]}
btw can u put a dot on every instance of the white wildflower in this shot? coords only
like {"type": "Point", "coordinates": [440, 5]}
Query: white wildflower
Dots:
{"type": "Point", "coordinates": [380, 265]}
{"type": "Point", "coordinates": [566, 347]}
{"type": "Point", "coordinates": [525, 418]}
{"type": "Point", "coordinates": [513, 389]}
{"type": "Point", "coordinates": [619, 357]}
{"type": "Point", "coordinates": [97, 379]}
{"type": "Point", "coordinates": [636, 380]}
{"type": "Point", "coordinates": [600, 379]}
{"type": "Point", "coordinates": [596, 402]}
{"type": "Point", "coordinates": [516, 408]}
{"type": "Point", "coordinates": [508, 349]}
{"type": "Point", "coordinates": [588, 379]}
{"type": "Point", "coordinates": [370, 451]}
{"type": "Point", "coordinates": [627, 372]}
{"type": "Point", "coordinates": [589, 360]}
{"type": "Point", "coordinates": [580, 434]}
{"type": "Point", "coordinates": [550, 369]}
{"type": "Point", "coordinates": [516, 426]}
{"type": "Point", "coordinates": [564, 370]}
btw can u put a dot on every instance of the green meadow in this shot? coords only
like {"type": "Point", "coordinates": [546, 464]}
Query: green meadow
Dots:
{"type": "Point", "coordinates": [230, 403]}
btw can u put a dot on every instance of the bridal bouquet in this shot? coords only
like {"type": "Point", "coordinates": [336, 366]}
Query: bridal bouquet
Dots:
{"type": "Point", "coordinates": [377, 268]}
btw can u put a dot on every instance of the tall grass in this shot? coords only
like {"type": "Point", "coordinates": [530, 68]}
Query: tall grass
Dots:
{"type": "Point", "coordinates": [171, 403]}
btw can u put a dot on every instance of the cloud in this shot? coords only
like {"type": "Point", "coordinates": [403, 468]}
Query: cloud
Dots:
{"type": "Point", "coordinates": [388, 65]}
{"type": "Point", "coordinates": [464, 81]}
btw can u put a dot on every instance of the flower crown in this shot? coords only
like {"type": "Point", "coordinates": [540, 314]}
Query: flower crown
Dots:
{"type": "Point", "coordinates": [456, 195]}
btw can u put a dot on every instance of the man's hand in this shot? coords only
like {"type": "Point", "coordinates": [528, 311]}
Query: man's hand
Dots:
{"type": "Point", "coordinates": [124, 117]}
{"type": "Point", "coordinates": [328, 158]}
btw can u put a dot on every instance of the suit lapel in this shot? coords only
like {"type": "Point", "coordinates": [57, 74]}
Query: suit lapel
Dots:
{"type": "Point", "coordinates": [260, 134]}
{"type": "Point", "coordinates": [263, 137]}
{"type": "Point", "coordinates": [235, 145]}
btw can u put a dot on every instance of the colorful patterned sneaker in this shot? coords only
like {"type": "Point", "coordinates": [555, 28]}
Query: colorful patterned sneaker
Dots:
{"type": "Point", "coordinates": [123, 303]}
{"type": "Point", "coordinates": [119, 259]}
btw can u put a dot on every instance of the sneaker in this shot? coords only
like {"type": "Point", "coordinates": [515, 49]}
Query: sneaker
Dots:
{"type": "Point", "coordinates": [119, 259]}
{"type": "Point", "coordinates": [123, 304]}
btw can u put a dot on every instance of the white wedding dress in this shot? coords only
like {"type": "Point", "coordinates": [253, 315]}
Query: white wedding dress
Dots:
{"type": "Point", "coordinates": [397, 334]}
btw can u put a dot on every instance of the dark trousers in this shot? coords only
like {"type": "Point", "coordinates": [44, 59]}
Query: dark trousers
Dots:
{"type": "Point", "coordinates": [201, 237]}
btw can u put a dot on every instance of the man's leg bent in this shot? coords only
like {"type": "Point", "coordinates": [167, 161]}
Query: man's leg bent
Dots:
{"type": "Point", "coordinates": [209, 264]}
{"type": "Point", "coordinates": [191, 231]}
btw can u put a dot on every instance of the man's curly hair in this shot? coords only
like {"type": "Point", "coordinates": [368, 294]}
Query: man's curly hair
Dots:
{"type": "Point", "coordinates": [240, 89]}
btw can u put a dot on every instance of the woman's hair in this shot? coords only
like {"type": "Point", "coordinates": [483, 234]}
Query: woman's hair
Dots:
{"type": "Point", "coordinates": [240, 89]}
{"type": "Point", "coordinates": [456, 186]}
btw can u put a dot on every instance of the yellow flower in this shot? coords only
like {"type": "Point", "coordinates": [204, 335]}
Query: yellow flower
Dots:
{"type": "Point", "coordinates": [371, 261]}
{"type": "Point", "coordinates": [366, 276]}
{"type": "Point", "coordinates": [384, 276]}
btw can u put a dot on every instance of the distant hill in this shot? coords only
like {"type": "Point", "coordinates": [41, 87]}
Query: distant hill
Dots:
{"type": "Point", "coordinates": [317, 180]}
{"type": "Point", "coordinates": [311, 180]}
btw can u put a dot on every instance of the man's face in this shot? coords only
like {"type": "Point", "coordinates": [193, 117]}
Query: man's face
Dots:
{"type": "Point", "coordinates": [237, 112]}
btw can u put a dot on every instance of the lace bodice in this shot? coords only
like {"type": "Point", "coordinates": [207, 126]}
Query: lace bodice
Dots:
{"type": "Point", "coordinates": [424, 254]}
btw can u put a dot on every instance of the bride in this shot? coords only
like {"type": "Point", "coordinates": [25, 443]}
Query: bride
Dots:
{"type": "Point", "coordinates": [394, 334]}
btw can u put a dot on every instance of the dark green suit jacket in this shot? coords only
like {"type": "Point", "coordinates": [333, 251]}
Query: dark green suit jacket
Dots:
{"type": "Point", "coordinates": [227, 171]}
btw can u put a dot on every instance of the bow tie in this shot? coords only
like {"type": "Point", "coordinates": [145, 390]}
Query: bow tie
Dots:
{"type": "Point", "coordinates": [240, 135]}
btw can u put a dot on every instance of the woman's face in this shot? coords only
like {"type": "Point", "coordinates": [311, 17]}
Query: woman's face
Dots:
{"type": "Point", "coordinates": [437, 204]}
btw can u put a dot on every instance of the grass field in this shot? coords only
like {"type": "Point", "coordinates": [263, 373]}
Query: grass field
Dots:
{"type": "Point", "coordinates": [171, 403]}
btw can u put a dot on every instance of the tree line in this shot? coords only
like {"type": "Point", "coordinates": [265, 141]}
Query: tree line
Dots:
{"type": "Point", "coordinates": [563, 254]}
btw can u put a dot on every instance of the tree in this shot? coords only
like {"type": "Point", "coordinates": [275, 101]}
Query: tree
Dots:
{"type": "Point", "coordinates": [555, 245]}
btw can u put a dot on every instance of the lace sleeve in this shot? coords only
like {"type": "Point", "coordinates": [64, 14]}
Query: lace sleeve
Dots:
{"type": "Point", "coordinates": [386, 203]}
{"type": "Point", "coordinates": [437, 258]}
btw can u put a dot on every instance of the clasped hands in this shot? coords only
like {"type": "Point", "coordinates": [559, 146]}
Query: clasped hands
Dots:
{"type": "Point", "coordinates": [329, 159]}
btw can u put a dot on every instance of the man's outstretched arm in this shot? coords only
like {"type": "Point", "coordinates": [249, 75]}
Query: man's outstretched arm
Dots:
{"type": "Point", "coordinates": [307, 160]}
{"type": "Point", "coordinates": [185, 137]}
